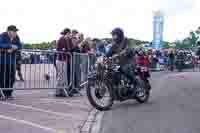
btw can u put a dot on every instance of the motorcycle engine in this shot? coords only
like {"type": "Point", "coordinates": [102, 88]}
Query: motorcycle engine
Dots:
{"type": "Point", "coordinates": [125, 89]}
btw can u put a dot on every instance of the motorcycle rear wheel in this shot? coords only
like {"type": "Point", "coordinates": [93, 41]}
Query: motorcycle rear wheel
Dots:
{"type": "Point", "coordinates": [92, 92]}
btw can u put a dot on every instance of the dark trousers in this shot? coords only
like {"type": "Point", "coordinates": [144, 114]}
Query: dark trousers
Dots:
{"type": "Point", "coordinates": [76, 70]}
{"type": "Point", "coordinates": [7, 77]}
{"type": "Point", "coordinates": [77, 75]}
{"type": "Point", "coordinates": [68, 73]}
{"type": "Point", "coordinates": [92, 60]}
{"type": "Point", "coordinates": [19, 73]}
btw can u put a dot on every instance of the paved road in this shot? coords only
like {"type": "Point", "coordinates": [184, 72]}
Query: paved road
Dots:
{"type": "Point", "coordinates": [38, 111]}
{"type": "Point", "coordinates": [173, 108]}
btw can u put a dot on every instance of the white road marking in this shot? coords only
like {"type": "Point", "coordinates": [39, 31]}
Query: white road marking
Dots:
{"type": "Point", "coordinates": [27, 93]}
{"type": "Point", "coordinates": [40, 110]}
{"type": "Point", "coordinates": [18, 93]}
{"type": "Point", "coordinates": [64, 102]}
{"type": "Point", "coordinates": [28, 123]}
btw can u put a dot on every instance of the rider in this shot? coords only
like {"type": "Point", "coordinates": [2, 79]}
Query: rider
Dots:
{"type": "Point", "coordinates": [198, 51]}
{"type": "Point", "coordinates": [120, 50]}
{"type": "Point", "coordinates": [180, 55]}
{"type": "Point", "coordinates": [180, 58]}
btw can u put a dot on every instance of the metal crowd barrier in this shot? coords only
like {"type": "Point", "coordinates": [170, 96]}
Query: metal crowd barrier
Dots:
{"type": "Point", "coordinates": [37, 68]}
{"type": "Point", "coordinates": [42, 69]}
{"type": "Point", "coordinates": [82, 65]}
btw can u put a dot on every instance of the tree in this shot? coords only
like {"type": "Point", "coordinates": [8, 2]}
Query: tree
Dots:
{"type": "Point", "coordinates": [166, 45]}
{"type": "Point", "coordinates": [132, 42]}
{"type": "Point", "coordinates": [193, 38]}
{"type": "Point", "coordinates": [179, 44]}
{"type": "Point", "coordinates": [42, 46]}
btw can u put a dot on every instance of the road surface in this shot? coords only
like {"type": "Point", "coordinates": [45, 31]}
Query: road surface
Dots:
{"type": "Point", "coordinates": [38, 111]}
{"type": "Point", "coordinates": [174, 107]}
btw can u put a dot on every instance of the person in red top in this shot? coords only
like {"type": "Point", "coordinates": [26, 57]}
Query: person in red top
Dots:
{"type": "Point", "coordinates": [146, 61]}
{"type": "Point", "coordinates": [143, 61]}
{"type": "Point", "coordinates": [64, 48]}
{"type": "Point", "coordinates": [140, 58]}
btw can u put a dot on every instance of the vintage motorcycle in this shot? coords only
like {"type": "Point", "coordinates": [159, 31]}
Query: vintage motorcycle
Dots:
{"type": "Point", "coordinates": [105, 80]}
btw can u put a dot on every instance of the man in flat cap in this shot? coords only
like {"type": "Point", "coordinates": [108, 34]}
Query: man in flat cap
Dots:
{"type": "Point", "coordinates": [9, 46]}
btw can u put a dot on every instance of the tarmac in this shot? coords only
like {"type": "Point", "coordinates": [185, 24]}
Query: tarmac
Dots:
{"type": "Point", "coordinates": [35, 110]}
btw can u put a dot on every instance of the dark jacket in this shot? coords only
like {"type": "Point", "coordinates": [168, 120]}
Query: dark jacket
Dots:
{"type": "Point", "coordinates": [85, 48]}
{"type": "Point", "coordinates": [5, 44]}
{"type": "Point", "coordinates": [117, 48]}
{"type": "Point", "coordinates": [76, 58]}
{"type": "Point", "coordinates": [125, 58]}
{"type": "Point", "coordinates": [198, 52]}
{"type": "Point", "coordinates": [76, 50]}
{"type": "Point", "coordinates": [171, 56]}
{"type": "Point", "coordinates": [64, 46]}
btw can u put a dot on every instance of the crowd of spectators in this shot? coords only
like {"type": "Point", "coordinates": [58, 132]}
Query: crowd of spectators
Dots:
{"type": "Point", "coordinates": [74, 43]}
{"type": "Point", "coordinates": [164, 59]}
{"type": "Point", "coordinates": [71, 57]}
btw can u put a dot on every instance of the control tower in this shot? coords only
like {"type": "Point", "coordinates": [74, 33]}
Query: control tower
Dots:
{"type": "Point", "coordinates": [158, 26]}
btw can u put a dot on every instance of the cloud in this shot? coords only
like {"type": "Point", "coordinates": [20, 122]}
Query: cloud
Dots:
{"type": "Point", "coordinates": [174, 7]}
{"type": "Point", "coordinates": [42, 20]}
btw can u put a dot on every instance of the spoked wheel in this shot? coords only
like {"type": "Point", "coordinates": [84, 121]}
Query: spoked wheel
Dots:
{"type": "Point", "coordinates": [99, 95]}
{"type": "Point", "coordinates": [143, 92]}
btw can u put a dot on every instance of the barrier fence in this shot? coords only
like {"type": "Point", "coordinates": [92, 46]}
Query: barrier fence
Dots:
{"type": "Point", "coordinates": [39, 69]}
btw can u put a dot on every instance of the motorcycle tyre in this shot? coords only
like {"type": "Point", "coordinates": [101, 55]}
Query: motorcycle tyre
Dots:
{"type": "Point", "coordinates": [92, 101]}
{"type": "Point", "coordinates": [147, 93]}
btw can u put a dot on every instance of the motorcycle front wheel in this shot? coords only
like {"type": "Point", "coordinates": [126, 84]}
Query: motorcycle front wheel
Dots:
{"type": "Point", "coordinates": [96, 91]}
{"type": "Point", "coordinates": [145, 89]}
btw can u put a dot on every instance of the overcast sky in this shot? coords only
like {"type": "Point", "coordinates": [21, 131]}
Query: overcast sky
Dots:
{"type": "Point", "coordinates": [43, 20]}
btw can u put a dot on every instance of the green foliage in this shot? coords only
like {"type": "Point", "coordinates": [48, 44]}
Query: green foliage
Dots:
{"type": "Point", "coordinates": [185, 44]}
{"type": "Point", "coordinates": [131, 42]}
{"type": "Point", "coordinates": [50, 45]}
{"type": "Point", "coordinates": [42, 46]}
{"type": "Point", "coordinates": [190, 41]}
{"type": "Point", "coordinates": [166, 45]}
{"type": "Point", "coordinates": [193, 38]}
{"type": "Point", "coordinates": [134, 43]}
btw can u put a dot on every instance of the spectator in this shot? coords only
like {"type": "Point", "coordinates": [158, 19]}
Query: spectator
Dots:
{"type": "Point", "coordinates": [198, 51]}
{"type": "Point", "coordinates": [9, 44]}
{"type": "Point", "coordinates": [108, 47]}
{"type": "Point", "coordinates": [92, 47]}
{"type": "Point", "coordinates": [54, 55]}
{"type": "Point", "coordinates": [76, 63]}
{"type": "Point", "coordinates": [101, 50]}
{"type": "Point", "coordinates": [92, 54]}
{"type": "Point", "coordinates": [154, 61]}
{"type": "Point", "coordinates": [140, 58]}
{"type": "Point", "coordinates": [74, 33]}
{"type": "Point", "coordinates": [63, 63]}
{"type": "Point", "coordinates": [80, 38]}
{"type": "Point", "coordinates": [75, 43]}
{"type": "Point", "coordinates": [32, 58]}
{"type": "Point", "coordinates": [85, 46]}
{"type": "Point", "coordinates": [146, 61]}
{"type": "Point", "coordinates": [18, 65]}
{"type": "Point", "coordinates": [100, 47]}
{"type": "Point", "coordinates": [171, 59]}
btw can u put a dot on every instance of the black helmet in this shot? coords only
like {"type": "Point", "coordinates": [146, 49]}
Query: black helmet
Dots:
{"type": "Point", "coordinates": [117, 31]}
{"type": "Point", "coordinates": [120, 34]}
